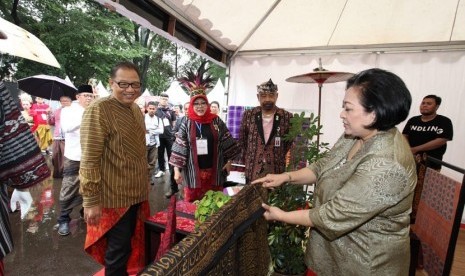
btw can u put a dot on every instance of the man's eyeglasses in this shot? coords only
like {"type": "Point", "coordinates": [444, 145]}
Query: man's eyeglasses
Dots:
{"type": "Point", "coordinates": [87, 95]}
{"type": "Point", "coordinates": [200, 104]}
{"type": "Point", "coordinates": [122, 84]}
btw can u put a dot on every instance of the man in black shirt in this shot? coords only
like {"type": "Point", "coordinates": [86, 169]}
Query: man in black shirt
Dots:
{"type": "Point", "coordinates": [429, 132]}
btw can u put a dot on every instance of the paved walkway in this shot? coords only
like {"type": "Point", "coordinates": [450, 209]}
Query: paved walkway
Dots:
{"type": "Point", "coordinates": [39, 250]}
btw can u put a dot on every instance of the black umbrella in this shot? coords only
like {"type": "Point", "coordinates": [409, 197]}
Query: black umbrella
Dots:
{"type": "Point", "coordinates": [47, 87]}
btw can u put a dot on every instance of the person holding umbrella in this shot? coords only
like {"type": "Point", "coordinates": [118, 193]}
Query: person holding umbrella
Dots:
{"type": "Point", "coordinates": [45, 87]}
{"type": "Point", "coordinates": [39, 111]}
{"type": "Point", "coordinates": [19, 154]}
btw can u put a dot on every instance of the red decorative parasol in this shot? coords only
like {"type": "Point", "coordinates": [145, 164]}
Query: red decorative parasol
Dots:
{"type": "Point", "coordinates": [320, 76]}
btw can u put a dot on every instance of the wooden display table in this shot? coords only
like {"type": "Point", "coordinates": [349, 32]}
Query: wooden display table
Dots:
{"type": "Point", "coordinates": [155, 227]}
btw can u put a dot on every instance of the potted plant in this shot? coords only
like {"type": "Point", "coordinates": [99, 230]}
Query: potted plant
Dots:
{"type": "Point", "coordinates": [286, 241]}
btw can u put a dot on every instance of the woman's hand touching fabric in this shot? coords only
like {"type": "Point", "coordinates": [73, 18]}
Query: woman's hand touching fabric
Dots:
{"type": "Point", "coordinates": [272, 213]}
{"type": "Point", "coordinates": [271, 180]}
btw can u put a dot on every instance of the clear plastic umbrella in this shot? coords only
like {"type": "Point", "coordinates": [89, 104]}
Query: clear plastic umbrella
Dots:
{"type": "Point", "coordinates": [16, 41]}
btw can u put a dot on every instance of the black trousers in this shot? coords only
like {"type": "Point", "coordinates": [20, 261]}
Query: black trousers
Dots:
{"type": "Point", "coordinates": [165, 143]}
{"type": "Point", "coordinates": [119, 243]}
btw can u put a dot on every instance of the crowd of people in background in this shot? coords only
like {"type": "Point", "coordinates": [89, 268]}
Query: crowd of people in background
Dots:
{"type": "Point", "coordinates": [109, 150]}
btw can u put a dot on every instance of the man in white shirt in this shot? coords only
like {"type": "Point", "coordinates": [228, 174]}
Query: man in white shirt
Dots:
{"type": "Point", "coordinates": [154, 127]}
{"type": "Point", "coordinates": [58, 145]}
{"type": "Point", "coordinates": [71, 118]}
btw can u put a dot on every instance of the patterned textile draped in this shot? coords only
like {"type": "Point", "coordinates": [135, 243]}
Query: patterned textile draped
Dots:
{"type": "Point", "coordinates": [21, 163]}
{"type": "Point", "coordinates": [231, 242]}
{"type": "Point", "coordinates": [435, 219]}
{"type": "Point", "coordinates": [421, 170]}
{"type": "Point", "coordinates": [259, 156]}
{"type": "Point", "coordinates": [235, 114]}
{"type": "Point", "coordinates": [69, 192]}
{"type": "Point", "coordinates": [167, 238]}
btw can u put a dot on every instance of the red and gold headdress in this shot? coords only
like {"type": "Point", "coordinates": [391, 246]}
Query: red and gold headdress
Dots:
{"type": "Point", "coordinates": [197, 83]}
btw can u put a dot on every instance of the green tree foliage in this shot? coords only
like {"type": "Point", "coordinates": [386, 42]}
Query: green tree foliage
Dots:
{"type": "Point", "coordinates": [87, 40]}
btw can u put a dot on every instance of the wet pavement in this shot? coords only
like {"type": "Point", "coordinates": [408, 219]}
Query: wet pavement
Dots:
{"type": "Point", "coordinates": [39, 250]}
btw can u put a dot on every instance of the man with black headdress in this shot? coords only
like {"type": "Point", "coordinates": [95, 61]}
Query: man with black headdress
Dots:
{"type": "Point", "coordinates": [261, 135]}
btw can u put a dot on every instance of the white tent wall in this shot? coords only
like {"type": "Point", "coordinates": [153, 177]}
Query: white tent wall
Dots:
{"type": "Point", "coordinates": [440, 73]}
{"type": "Point", "coordinates": [218, 94]}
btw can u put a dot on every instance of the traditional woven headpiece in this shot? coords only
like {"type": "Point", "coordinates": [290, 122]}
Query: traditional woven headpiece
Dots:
{"type": "Point", "coordinates": [268, 86]}
{"type": "Point", "coordinates": [24, 97]}
{"type": "Point", "coordinates": [197, 83]}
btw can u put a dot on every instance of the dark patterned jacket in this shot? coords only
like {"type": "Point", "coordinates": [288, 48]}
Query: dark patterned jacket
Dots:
{"type": "Point", "coordinates": [260, 158]}
{"type": "Point", "coordinates": [21, 163]}
{"type": "Point", "coordinates": [184, 151]}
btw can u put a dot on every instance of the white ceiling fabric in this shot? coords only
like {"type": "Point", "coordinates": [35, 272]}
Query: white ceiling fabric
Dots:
{"type": "Point", "coordinates": [304, 24]}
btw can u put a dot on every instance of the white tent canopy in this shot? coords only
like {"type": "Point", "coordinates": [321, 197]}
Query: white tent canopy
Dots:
{"type": "Point", "coordinates": [101, 90]}
{"type": "Point", "coordinates": [217, 94]}
{"type": "Point", "coordinates": [176, 94]}
{"type": "Point", "coordinates": [299, 26]}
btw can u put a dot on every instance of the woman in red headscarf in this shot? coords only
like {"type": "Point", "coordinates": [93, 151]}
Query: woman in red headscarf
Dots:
{"type": "Point", "coordinates": [203, 147]}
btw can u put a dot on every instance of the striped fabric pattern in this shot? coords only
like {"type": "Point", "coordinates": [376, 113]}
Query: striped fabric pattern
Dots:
{"type": "Point", "coordinates": [235, 114]}
{"type": "Point", "coordinates": [182, 155]}
{"type": "Point", "coordinates": [113, 170]}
